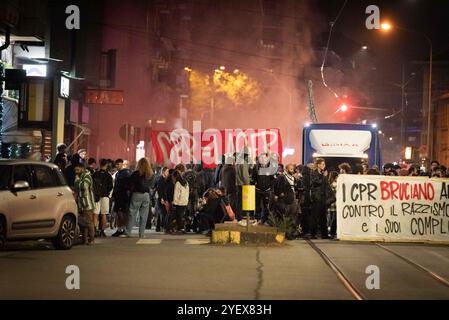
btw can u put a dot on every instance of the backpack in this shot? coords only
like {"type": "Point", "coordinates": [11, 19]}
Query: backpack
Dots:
{"type": "Point", "coordinates": [190, 176]}
{"type": "Point", "coordinates": [97, 186]}
{"type": "Point", "coordinates": [228, 211]}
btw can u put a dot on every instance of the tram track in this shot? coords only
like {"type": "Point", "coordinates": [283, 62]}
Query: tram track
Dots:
{"type": "Point", "coordinates": [347, 283]}
{"type": "Point", "coordinates": [440, 279]}
{"type": "Point", "coordinates": [352, 288]}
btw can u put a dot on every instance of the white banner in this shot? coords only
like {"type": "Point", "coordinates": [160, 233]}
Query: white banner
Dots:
{"type": "Point", "coordinates": [385, 208]}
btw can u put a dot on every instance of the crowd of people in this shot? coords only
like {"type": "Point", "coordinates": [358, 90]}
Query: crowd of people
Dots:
{"type": "Point", "coordinates": [190, 198]}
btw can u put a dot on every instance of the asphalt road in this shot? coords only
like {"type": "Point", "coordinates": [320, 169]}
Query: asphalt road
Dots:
{"type": "Point", "coordinates": [187, 267]}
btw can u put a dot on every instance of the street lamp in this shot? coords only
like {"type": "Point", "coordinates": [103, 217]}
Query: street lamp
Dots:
{"type": "Point", "coordinates": [386, 27]}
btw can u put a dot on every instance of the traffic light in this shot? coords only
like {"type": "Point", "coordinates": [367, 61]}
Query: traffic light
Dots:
{"type": "Point", "coordinates": [344, 107]}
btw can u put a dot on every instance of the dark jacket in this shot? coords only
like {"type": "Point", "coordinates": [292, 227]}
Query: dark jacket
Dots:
{"type": "Point", "coordinates": [161, 188]}
{"type": "Point", "coordinates": [102, 183]}
{"type": "Point", "coordinates": [213, 208]}
{"type": "Point", "coordinates": [228, 179]}
{"type": "Point", "coordinates": [305, 185]}
{"type": "Point", "coordinates": [69, 172]}
{"type": "Point", "coordinates": [170, 190]}
{"type": "Point", "coordinates": [139, 184]}
{"type": "Point", "coordinates": [204, 181]}
{"type": "Point", "coordinates": [262, 179]}
{"type": "Point", "coordinates": [61, 160]}
{"type": "Point", "coordinates": [283, 190]}
{"type": "Point", "coordinates": [191, 178]}
{"type": "Point", "coordinates": [217, 175]}
{"type": "Point", "coordinates": [319, 187]}
{"type": "Point", "coordinates": [70, 175]}
{"type": "Point", "coordinates": [121, 194]}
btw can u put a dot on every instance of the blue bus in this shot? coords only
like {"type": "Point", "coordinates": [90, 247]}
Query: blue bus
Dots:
{"type": "Point", "coordinates": [341, 142]}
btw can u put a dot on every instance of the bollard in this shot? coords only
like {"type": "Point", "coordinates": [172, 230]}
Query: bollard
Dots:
{"type": "Point", "coordinates": [248, 201]}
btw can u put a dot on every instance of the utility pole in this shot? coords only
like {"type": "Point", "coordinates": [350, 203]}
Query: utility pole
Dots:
{"type": "Point", "coordinates": [402, 110]}
{"type": "Point", "coordinates": [311, 108]}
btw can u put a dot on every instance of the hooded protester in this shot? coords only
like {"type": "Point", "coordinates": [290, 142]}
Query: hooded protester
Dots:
{"type": "Point", "coordinates": [69, 171]}
{"type": "Point", "coordinates": [61, 157]}
{"type": "Point", "coordinates": [264, 176]}
{"type": "Point", "coordinates": [285, 197]}
{"type": "Point", "coordinates": [319, 192]}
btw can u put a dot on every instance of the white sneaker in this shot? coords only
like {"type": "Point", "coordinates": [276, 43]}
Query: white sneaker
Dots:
{"type": "Point", "coordinates": [242, 223]}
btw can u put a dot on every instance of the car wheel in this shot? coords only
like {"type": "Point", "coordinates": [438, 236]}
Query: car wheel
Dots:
{"type": "Point", "coordinates": [66, 236]}
{"type": "Point", "coordinates": [2, 233]}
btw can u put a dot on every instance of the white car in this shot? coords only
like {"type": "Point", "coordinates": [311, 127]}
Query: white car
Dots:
{"type": "Point", "coordinates": [36, 203]}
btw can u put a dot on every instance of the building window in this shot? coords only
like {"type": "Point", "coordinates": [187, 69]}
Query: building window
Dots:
{"type": "Point", "coordinates": [107, 68]}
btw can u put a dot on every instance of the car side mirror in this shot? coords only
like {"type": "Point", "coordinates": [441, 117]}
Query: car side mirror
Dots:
{"type": "Point", "coordinates": [21, 185]}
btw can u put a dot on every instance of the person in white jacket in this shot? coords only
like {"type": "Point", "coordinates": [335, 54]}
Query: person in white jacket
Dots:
{"type": "Point", "coordinates": [180, 200]}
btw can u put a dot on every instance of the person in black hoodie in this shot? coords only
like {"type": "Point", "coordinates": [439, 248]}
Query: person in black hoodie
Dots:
{"type": "Point", "coordinates": [61, 157]}
{"type": "Point", "coordinates": [69, 171]}
{"type": "Point", "coordinates": [212, 212]}
{"type": "Point", "coordinates": [264, 176]}
{"type": "Point", "coordinates": [161, 189]}
{"type": "Point", "coordinates": [319, 191]}
{"type": "Point", "coordinates": [102, 189]}
{"type": "Point", "coordinates": [169, 194]}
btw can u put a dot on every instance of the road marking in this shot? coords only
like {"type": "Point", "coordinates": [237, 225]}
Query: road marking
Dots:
{"type": "Point", "coordinates": [149, 241]}
{"type": "Point", "coordinates": [197, 241]}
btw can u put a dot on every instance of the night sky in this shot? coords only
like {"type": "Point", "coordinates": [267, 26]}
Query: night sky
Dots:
{"type": "Point", "coordinates": [428, 16]}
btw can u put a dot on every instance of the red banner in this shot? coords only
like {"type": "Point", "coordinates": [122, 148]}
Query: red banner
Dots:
{"type": "Point", "coordinates": [207, 147]}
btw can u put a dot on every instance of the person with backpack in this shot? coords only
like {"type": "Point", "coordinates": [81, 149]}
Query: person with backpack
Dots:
{"type": "Point", "coordinates": [212, 211]}
{"type": "Point", "coordinates": [140, 183]}
{"type": "Point", "coordinates": [180, 201]}
{"type": "Point", "coordinates": [102, 188]}
{"type": "Point", "coordinates": [228, 176]}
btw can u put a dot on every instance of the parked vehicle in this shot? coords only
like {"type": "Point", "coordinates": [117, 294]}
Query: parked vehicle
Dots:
{"type": "Point", "coordinates": [36, 203]}
{"type": "Point", "coordinates": [341, 142]}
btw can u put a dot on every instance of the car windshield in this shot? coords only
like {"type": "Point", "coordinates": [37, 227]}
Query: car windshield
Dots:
{"type": "Point", "coordinates": [5, 177]}
{"type": "Point", "coordinates": [333, 163]}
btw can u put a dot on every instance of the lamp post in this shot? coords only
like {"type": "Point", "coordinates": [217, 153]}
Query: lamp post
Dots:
{"type": "Point", "coordinates": [404, 104]}
{"type": "Point", "coordinates": [387, 27]}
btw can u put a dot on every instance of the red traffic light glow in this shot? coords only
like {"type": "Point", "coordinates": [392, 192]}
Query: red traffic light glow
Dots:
{"type": "Point", "coordinates": [344, 107]}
